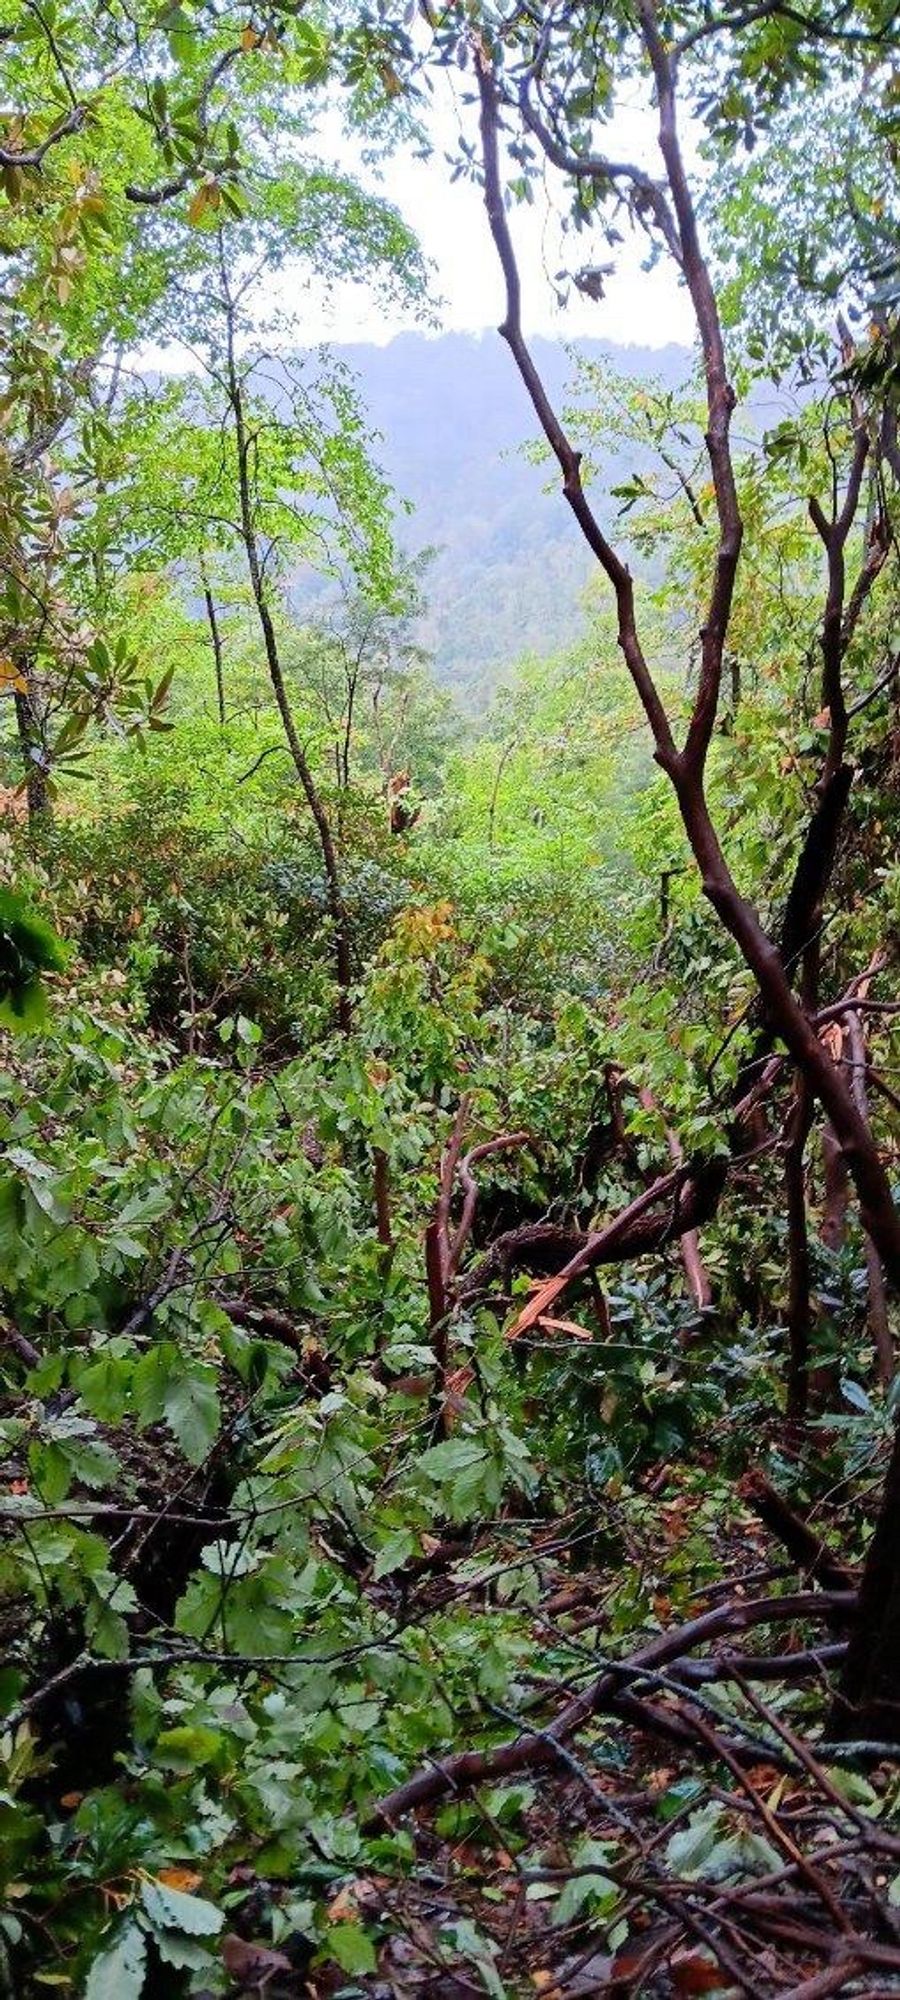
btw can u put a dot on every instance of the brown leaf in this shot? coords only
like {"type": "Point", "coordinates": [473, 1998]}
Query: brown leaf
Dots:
{"type": "Point", "coordinates": [185, 1879]}
{"type": "Point", "coordinates": [251, 1963]}
{"type": "Point", "coordinates": [344, 1908]}
{"type": "Point", "coordinates": [695, 1972]}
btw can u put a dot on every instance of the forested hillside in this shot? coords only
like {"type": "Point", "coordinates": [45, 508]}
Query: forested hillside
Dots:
{"type": "Point", "coordinates": [508, 574]}
{"type": "Point", "coordinates": [449, 1095]}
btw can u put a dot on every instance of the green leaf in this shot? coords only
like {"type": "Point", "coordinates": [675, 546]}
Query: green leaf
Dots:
{"type": "Point", "coordinates": [353, 1949]}
{"type": "Point", "coordinates": [186, 1747]}
{"type": "Point", "coordinates": [104, 1386]}
{"type": "Point", "coordinates": [119, 1973]}
{"type": "Point", "coordinates": [176, 1949]}
{"type": "Point", "coordinates": [171, 1909]}
{"type": "Point", "coordinates": [478, 1951]}
{"type": "Point", "coordinates": [395, 1550]}
{"type": "Point", "coordinates": [192, 1412]}
{"type": "Point", "coordinates": [594, 1892]}
{"type": "Point", "coordinates": [110, 1597]}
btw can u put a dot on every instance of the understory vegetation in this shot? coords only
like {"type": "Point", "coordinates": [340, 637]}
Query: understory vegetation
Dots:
{"type": "Point", "coordinates": [449, 1209]}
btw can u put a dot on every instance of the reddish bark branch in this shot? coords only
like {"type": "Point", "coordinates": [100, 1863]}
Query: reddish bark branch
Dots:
{"type": "Point", "coordinates": [692, 1194]}
{"type": "Point", "coordinates": [879, 1326]}
{"type": "Point", "coordinates": [695, 1270]}
{"type": "Point", "coordinates": [504, 1143]}
{"type": "Point", "coordinates": [813, 1556]}
{"type": "Point", "coordinates": [540, 1748]}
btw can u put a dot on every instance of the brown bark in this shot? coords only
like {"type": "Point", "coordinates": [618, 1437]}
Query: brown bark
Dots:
{"type": "Point", "coordinates": [688, 1195]}
{"type": "Point", "coordinates": [382, 1190]}
{"type": "Point", "coordinates": [817, 1561]}
{"type": "Point", "coordinates": [833, 1228]}
{"type": "Point", "coordinates": [799, 1303]}
{"type": "Point", "coordinates": [685, 768]}
{"type": "Point", "coordinates": [879, 1327]}
{"type": "Point", "coordinates": [31, 743]}
{"type": "Point", "coordinates": [215, 633]}
{"type": "Point", "coordinates": [868, 1703]}
{"type": "Point", "coordinates": [539, 1749]}
{"type": "Point", "coordinates": [783, 1011]}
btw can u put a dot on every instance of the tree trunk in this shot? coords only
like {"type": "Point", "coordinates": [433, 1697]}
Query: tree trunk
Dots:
{"type": "Point", "coordinates": [833, 1230]}
{"type": "Point", "coordinates": [337, 907]}
{"type": "Point", "coordinates": [868, 1702]}
{"type": "Point", "coordinates": [878, 1312]}
{"type": "Point", "coordinates": [216, 638]}
{"type": "Point", "coordinates": [31, 742]}
{"type": "Point", "coordinates": [799, 1310]}
{"type": "Point", "coordinates": [873, 1687]}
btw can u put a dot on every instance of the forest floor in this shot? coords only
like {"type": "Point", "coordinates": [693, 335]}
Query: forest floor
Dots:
{"type": "Point", "coordinates": [684, 1833]}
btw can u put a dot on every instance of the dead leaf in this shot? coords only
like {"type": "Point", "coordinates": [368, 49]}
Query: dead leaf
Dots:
{"type": "Point", "coordinates": [344, 1907]}
{"type": "Point", "coordinates": [184, 1879]}
{"type": "Point", "coordinates": [695, 1972]}
{"type": "Point", "coordinates": [251, 1963]}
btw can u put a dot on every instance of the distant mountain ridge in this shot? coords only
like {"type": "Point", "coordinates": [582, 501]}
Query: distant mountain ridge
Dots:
{"type": "Point", "coordinates": [510, 566]}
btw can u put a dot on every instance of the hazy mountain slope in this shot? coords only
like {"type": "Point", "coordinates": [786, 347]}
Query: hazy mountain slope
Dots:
{"type": "Point", "coordinates": [510, 565]}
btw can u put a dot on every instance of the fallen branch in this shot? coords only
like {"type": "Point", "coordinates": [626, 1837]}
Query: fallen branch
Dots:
{"type": "Point", "coordinates": [813, 1556]}
{"type": "Point", "coordinates": [692, 1194]}
{"type": "Point", "coordinates": [504, 1143]}
{"type": "Point", "coordinates": [532, 1748]}
{"type": "Point", "coordinates": [759, 1666]}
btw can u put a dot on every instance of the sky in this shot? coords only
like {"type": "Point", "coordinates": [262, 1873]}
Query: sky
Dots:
{"type": "Point", "coordinates": [641, 308]}
{"type": "Point", "coordinates": [649, 309]}
{"type": "Point", "coordinates": [645, 308]}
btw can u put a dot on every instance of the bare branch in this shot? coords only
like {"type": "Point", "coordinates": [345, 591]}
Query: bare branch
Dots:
{"type": "Point", "coordinates": [568, 459]}
{"type": "Point", "coordinates": [719, 395]}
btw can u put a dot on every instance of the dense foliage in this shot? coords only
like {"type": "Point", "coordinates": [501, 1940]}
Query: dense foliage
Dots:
{"type": "Point", "coordinates": [448, 1246]}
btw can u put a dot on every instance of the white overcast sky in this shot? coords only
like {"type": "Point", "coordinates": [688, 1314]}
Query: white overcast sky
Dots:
{"type": "Point", "coordinates": [646, 308]}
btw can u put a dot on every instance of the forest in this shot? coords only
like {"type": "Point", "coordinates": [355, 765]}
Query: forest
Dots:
{"type": "Point", "coordinates": [449, 1106]}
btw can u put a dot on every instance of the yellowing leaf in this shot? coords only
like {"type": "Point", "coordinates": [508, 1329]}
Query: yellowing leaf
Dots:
{"type": "Point", "coordinates": [206, 196]}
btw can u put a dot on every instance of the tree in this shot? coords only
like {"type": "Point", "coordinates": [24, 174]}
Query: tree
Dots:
{"type": "Point", "coordinates": [546, 84]}
{"type": "Point", "coordinates": [259, 458]}
{"type": "Point", "coordinates": [123, 135]}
